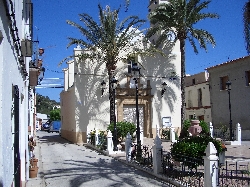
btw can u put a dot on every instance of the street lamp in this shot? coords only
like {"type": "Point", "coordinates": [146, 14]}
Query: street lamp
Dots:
{"type": "Point", "coordinates": [103, 84]}
{"type": "Point", "coordinates": [113, 86]}
{"type": "Point", "coordinates": [228, 84]}
{"type": "Point", "coordinates": [164, 88]}
{"type": "Point", "coordinates": [136, 75]}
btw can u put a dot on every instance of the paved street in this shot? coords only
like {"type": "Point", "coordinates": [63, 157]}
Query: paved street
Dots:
{"type": "Point", "coordinates": [64, 164]}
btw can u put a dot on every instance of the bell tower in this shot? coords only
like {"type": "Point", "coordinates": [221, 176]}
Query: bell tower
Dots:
{"type": "Point", "coordinates": [154, 3]}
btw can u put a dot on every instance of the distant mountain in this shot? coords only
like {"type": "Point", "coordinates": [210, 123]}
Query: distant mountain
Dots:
{"type": "Point", "coordinates": [44, 104]}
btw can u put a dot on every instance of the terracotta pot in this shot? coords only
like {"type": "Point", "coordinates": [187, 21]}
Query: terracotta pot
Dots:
{"type": "Point", "coordinates": [33, 172]}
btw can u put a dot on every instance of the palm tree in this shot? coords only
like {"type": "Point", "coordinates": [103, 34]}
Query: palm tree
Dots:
{"type": "Point", "coordinates": [177, 18]}
{"type": "Point", "coordinates": [246, 20]}
{"type": "Point", "coordinates": [108, 41]}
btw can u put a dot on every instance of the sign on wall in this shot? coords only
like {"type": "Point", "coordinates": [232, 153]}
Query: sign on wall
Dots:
{"type": "Point", "coordinates": [166, 122]}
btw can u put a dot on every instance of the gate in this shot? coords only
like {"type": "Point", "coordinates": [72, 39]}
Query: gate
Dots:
{"type": "Point", "coordinates": [16, 138]}
{"type": "Point", "coordinates": [129, 113]}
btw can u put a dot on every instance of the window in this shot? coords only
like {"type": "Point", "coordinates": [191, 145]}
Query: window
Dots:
{"type": "Point", "coordinates": [223, 81]}
{"type": "Point", "coordinates": [201, 118]}
{"type": "Point", "coordinates": [199, 97]}
{"type": "Point", "coordinates": [247, 76]}
{"type": "Point", "coordinates": [193, 81]}
{"type": "Point", "coordinates": [131, 63]}
{"type": "Point", "coordinates": [191, 116]}
{"type": "Point", "coordinates": [190, 104]}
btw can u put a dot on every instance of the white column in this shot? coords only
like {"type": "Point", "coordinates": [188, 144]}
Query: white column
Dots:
{"type": "Point", "coordinates": [157, 163]}
{"type": "Point", "coordinates": [66, 79]}
{"type": "Point", "coordinates": [109, 142]}
{"type": "Point", "coordinates": [128, 148]}
{"type": "Point", "coordinates": [210, 166]}
{"type": "Point", "coordinates": [238, 133]}
{"type": "Point", "coordinates": [211, 129]}
{"type": "Point", "coordinates": [172, 134]}
{"type": "Point", "coordinates": [141, 134]}
{"type": "Point", "coordinates": [96, 138]}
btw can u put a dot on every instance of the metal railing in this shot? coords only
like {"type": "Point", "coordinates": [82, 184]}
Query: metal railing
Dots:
{"type": "Point", "coordinates": [145, 158]}
{"type": "Point", "coordinates": [185, 170]}
{"type": "Point", "coordinates": [234, 173]}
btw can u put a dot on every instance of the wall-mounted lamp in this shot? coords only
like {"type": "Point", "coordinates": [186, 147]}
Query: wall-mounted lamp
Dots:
{"type": "Point", "coordinates": [103, 84]}
{"type": "Point", "coordinates": [173, 76]}
{"type": "Point", "coordinates": [164, 88]}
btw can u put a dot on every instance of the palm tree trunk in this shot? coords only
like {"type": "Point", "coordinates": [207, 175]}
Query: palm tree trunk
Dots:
{"type": "Point", "coordinates": [183, 75]}
{"type": "Point", "coordinates": [111, 97]}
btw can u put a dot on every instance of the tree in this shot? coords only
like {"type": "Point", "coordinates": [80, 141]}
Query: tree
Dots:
{"type": "Point", "coordinates": [246, 20]}
{"type": "Point", "coordinates": [44, 105]}
{"type": "Point", "coordinates": [109, 41]}
{"type": "Point", "coordinates": [55, 115]}
{"type": "Point", "coordinates": [177, 19]}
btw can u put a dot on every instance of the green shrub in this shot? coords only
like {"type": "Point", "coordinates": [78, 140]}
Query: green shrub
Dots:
{"type": "Point", "coordinates": [166, 134]}
{"type": "Point", "coordinates": [102, 140]}
{"type": "Point", "coordinates": [123, 127]}
{"type": "Point", "coordinates": [193, 147]}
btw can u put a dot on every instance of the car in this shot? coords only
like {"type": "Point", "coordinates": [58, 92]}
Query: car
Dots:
{"type": "Point", "coordinates": [45, 126]}
{"type": "Point", "coordinates": [54, 126]}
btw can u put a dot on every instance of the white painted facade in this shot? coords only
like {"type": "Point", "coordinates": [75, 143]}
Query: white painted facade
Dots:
{"type": "Point", "coordinates": [238, 73]}
{"type": "Point", "coordinates": [197, 96]}
{"type": "Point", "coordinates": [12, 74]}
{"type": "Point", "coordinates": [83, 108]}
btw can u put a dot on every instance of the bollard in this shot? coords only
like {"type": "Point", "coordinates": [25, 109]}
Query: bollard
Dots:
{"type": "Point", "coordinates": [128, 148]}
{"type": "Point", "coordinates": [109, 142]}
{"type": "Point", "coordinates": [172, 134]}
{"type": "Point", "coordinates": [141, 135]}
{"type": "Point", "coordinates": [211, 129]}
{"type": "Point", "coordinates": [210, 166]}
{"type": "Point", "coordinates": [238, 133]}
{"type": "Point", "coordinates": [96, 138]}
{"type": "Point", "coordinates": [157, 149]}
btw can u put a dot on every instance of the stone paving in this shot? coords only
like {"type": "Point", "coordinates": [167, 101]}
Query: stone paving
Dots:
{"type": "Point", "coordinates": [79, 166]}
{"type": "Point", "coordinates": [63, 164]}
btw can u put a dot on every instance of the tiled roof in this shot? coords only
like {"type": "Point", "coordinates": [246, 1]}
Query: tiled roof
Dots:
{"type": "Point", "coordinates": [228, 62]}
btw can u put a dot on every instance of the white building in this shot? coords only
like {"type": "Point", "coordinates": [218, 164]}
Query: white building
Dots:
{"type": "Point", "coordinates": [84, 108]}
{"type": "Point", "coordinates": [16, 101]}
{"type": "Point", "coordinates": [238, 73]}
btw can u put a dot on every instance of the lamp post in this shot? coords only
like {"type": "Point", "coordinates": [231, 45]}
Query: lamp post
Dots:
{"type": "Point", "coordinates": [103, 84]}
{"type": "Point", "coordinates": [164, 88]}
{"type": "Point", "coordinates": [136, 75]}
{"type": "Point", "coordinates": [228, 84]}
{"type": "Point", "coordinates": [113, 86]}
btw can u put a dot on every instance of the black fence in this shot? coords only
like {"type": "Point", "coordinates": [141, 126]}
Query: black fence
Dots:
{"type": "Point", "coordinates": [234, 173]}
{"type": "Point", "coordinates": [223, 134]}
{"type": "Point", "coordinates": [142, 155]}
{"type": "Point", "coordinates": [184, 170]}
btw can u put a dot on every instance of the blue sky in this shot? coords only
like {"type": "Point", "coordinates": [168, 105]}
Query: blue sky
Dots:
{"type": "Point", "coordinates": [51, 29]}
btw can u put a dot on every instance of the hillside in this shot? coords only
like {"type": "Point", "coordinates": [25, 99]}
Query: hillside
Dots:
{"type": "Point", "coordinates": [44, 104]}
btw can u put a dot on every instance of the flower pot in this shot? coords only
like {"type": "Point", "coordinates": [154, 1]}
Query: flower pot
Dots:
{"type": "Point", "coordinates": [33, 162]}
{"type": "Point", "coordinates": [33, 172]}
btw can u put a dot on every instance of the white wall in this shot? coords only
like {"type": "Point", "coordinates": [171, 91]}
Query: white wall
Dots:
{"type": "Point", "coordinates": [10, 75]}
